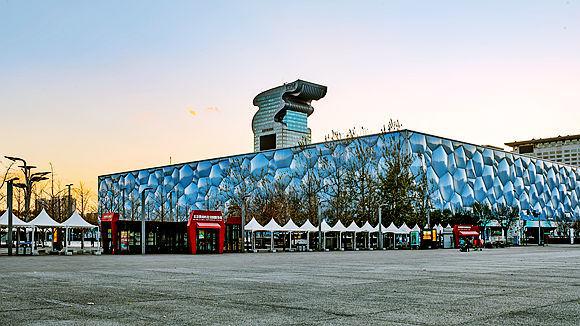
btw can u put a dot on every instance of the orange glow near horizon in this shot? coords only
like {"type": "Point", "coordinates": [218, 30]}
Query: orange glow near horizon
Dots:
{"type": "Point", "coordinates": [95, 93]}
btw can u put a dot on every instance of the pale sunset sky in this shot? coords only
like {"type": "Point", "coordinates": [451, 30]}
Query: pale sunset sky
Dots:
{"type": "Point", "coordinates": [104, 86]}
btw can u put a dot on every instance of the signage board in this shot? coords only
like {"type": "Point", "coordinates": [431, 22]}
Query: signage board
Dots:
{"type": "Point", "coordinates": [206, 215]}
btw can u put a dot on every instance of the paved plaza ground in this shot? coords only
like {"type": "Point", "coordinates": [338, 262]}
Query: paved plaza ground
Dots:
{"type": "Point", "coordinates": [513, 286]}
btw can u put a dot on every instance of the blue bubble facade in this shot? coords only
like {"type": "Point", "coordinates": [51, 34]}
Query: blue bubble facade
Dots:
{"type": "Point", "coordinates": [461, 174]}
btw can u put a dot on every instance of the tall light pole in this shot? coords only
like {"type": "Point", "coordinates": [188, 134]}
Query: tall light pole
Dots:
{"type": "Point", "coordinates": [69, 208]}
{"type": "Point", "coordinates": [171, 206]}
{"type": "Point", "coordinates": [243, 226]}
{"type": "Point", "coordinates": [319, 215]}
{"type": "Point", "coordinates": [381, 226]}
{"type": "Point", "coordinates": [29, 180]}
{"type": "Point", "coordinates": [9, 189]}
{"type": "Point", "coordinates": [321, 244]}
{"type": "Point", "coordinates": [540, 240]}
{"type": "Point", "coordinates": [143, 195]}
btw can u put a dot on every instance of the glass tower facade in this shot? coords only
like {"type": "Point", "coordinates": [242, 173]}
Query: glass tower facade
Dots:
{"type": "Point", "coordinates": [282, 117]}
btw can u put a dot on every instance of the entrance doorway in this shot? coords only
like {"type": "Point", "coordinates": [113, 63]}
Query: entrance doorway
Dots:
{"type": "Point", "coordinates": [206, 232]}
{"type": "Point", "coordinates": [207, 241]}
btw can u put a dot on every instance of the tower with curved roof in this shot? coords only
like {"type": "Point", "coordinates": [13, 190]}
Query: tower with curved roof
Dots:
{"type": "Point", "coordinates": [282, 117]}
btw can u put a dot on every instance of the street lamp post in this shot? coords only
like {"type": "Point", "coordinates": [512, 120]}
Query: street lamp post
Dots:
{"type": "Point", "coordinates": [143, 195]}
{"type": "Point", "coordinates": [69, 208]}
{"type": "Point", "coordinates": [243, 226]}
{"type": "Point", "coordinates": [29, 180]}
{"type": "Point", "coordinates": [380, 238]}
{"type": "Point", "coordinates": [319, 215]}
{"type": "Point", "coordinates": [540, 240]}
{"type": "Point", "coordinates": [9, 189]}
{"type": "Point", "coordinates": [171, 206]}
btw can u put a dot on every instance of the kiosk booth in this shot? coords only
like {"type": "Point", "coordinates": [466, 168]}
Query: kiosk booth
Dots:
{"type": "Point", "coordinates": [206, 232]}
{"type": "Point", "coordinates": [467, 232]}
{"type": "Point", "coordinates": [109, 236]}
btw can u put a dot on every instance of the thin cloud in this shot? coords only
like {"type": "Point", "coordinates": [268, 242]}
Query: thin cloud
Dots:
{"type": "Point", "coordinates": [192, 111]}
{"type": "Point", "coordinates": [212, 109]}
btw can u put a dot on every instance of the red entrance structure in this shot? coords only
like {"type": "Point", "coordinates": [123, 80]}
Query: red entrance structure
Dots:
{"type": "Point", "coordinates": [109, 234]}
{"type": "Point", "coordinates": [206, 232]}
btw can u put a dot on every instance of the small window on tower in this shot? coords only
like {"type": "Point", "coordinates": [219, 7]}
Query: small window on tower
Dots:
{"type": "Point", "coordinates": [267, 142]}
{"type": "Point", "coordinates": [526, 149]}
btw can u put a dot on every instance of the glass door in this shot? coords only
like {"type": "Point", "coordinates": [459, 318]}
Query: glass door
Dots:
{"type": "Point", "coordinates": [206, 241]}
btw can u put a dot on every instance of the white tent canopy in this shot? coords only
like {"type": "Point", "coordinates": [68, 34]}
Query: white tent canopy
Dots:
{"type": "Point", "coordinates": [273, 226]}
{"type": "Point", "coordinates": [254, 226]}
{"type": "Point", "coordinates": [325, 227]}
{"type": "Point", "coordinates": [308, 227]}
{"type": "Point", "coordinates": [416, 228]}
{"type": "Point", "coordinates": [76, 221]}
{"type": "Point", "coordinates": [291, 226]}
{"type": "Point", "coordinates": [391, 229]}
{"type": "Point", "coordinates": [15, 220]}
{"type": "Point", "coordinates": [353, 227]}
{"type": "Point", "coordinates": [44, 220]}
{"type": "Point", "coordinates": [367, 227]}
{"type": "Point", "coordinates": [404, 229]}
{"type": "Point", "coordinates": [339, 227]}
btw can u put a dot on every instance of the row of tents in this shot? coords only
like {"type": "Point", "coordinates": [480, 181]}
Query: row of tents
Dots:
{"type": "Point", "coordinates": [44, 221]}
{"type": "Point", "coordinates": [290, 227]}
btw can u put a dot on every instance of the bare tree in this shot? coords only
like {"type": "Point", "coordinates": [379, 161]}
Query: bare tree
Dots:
{"type": "Point", "coordinates": [84, 199]}
{"type": "Point", "coordinates": [6, 175]}
{"type": "Point", "coordinates": [238, 183]}
{"type": "Point", "coordinates": [483, 213]}
{"type": "Point", "coordinates": [506, 216]}
{"type": "Point", "coordinates": [361, 176]}
{"type": "Point", "coordinates": [333, 167]}
{"type": "Point", "coordinates": [312, 188]}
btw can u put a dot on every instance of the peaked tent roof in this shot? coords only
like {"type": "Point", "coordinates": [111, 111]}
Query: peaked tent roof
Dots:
{"type": "Point", "coordinates": [43, 219]}
{"type": "Point", "coordinates": [273, 226]}
{"type": "Point", "coordinates": [76, 221]}
{"type": "Point", "coordinates": [339, 227]}
{"type": "Point", "coordinates": [404, 229]}
{"type": "Point", "coordinates": [253, 226]}
{"type": "Point", "coordinates": [290, 226]}
{"type": "Point", "coordinates": [325, 227]}
{"type": "Point", "coordinates": [416, 228]}
{"type": "Point", "coordinates": [353, 227]}
{"type": "Point", "coordinates": [367, 227]}
{"type": "Point", "coordinates": [308, 227]}
{"type": "Point", "coordinates": [15, 220]}
{"type": "Point", "coordinates": [391, 229]}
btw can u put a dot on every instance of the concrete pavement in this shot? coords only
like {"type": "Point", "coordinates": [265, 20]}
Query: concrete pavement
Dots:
{"type": "Point", "coordinates": [512, 286]}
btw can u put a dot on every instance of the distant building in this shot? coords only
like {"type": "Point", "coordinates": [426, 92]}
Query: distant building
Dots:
{"type": "Point", "coordinates": [282, 117]}
{"type": "Point", "coordinates": [561, 149]}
